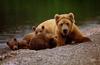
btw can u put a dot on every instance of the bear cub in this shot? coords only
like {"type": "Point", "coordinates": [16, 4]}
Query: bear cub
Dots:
{"type": "Point", "coordinates": [36, 40]}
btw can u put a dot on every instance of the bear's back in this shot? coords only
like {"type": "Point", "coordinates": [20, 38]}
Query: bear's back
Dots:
{"type": "Point", "coordinates": [29, 36]}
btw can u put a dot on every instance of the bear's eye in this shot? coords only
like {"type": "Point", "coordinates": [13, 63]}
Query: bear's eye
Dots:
{"type": "Point", "coordinates": [61, 24]}
{"type": "Point", "coordinates": [67, 23]}
{"type": "Point", "coordinates": [40, 31]}
{"type": "Point", "coordinates": [36, 32]}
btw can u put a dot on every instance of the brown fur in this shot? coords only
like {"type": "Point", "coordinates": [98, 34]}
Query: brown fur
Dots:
{"type": "Point", "coordinates": [42, 40]}
{"type": "Point", "coordinates": [15, 44]}
{"type": "Point", "coordinates": [63, 26]}
{"type": "Point", "coordinates": [36, 40]}
{"type": "Point", "coordinates": [28, 37]}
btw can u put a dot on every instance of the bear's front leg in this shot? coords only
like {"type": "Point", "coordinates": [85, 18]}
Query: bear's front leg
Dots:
{"type": "Point", "coordinates": [60, 41]}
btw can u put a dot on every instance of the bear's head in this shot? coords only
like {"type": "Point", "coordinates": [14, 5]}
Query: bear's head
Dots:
{"type": "Point", "coordinates": [40, 30]}
{"type": "Point", "coordinates": [13, 44]}
{"type": "Point", "coordinates": [65, 22]}
{"type": "Point", "coordinates": [33, 28]}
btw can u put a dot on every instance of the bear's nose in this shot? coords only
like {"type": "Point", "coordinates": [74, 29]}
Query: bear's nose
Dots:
{"type": "Point", "coordinates": [15, 48]}
{"type": "Point", "coordinates": [65, 30]}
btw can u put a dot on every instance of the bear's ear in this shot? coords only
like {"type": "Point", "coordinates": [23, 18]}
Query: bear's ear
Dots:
{"type": "Point", "coordinates": [43, 27]}
{"type": "Point", "coordinates": [33, 28]}
{"type": "Point", "coordinates": [7, 43]}
{"type": "Point", "coordinates": [57, 16]}
{"type": "Point", "coordinates": [71, 16]}
{"type": "Point", "coordinates": [15, 39]}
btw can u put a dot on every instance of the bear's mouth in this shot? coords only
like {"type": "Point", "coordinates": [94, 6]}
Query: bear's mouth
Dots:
{"type": "Point", "coordinates": [65, 32]}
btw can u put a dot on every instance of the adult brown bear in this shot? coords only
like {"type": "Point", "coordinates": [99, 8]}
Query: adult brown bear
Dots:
{"type": "Point", "coordinates": [63, 26]}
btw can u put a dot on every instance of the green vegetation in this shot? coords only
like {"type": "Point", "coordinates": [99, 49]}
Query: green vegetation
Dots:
{"type": "Point", "coordinates": [21, 12]}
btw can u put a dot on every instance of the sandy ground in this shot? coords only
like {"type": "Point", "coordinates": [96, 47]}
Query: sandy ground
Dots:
{"type": "Point", "coordinates": [78, 54]}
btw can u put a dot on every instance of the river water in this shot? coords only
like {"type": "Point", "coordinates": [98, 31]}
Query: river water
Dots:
{"type": "Point", "coordinates": [18, 32]}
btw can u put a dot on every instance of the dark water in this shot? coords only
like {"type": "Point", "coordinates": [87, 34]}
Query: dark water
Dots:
{"type": "Point", "coordinates": [18, 16]}
{"type": "Point", "coordinates": [22, 12]}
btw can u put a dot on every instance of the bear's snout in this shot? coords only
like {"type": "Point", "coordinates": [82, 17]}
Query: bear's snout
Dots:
{"type": "Point", "coordinates": [65, 31]}
{"type": "Point", "coordinates": [15, 48]}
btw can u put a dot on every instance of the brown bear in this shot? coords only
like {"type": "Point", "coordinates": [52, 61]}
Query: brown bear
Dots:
{"type": "Point", "coordinates": [63, 26]}
{"type": "Point", "coordinates": [15, 44]}
{"type": "Point", "coordinates": [12, 43]}
{"type": "Point", "coordinates": [38, 40]}
{"type": "Point", "coordinates": [34, 32]}
{"type": "Point", "coordinates": [42, 41]}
